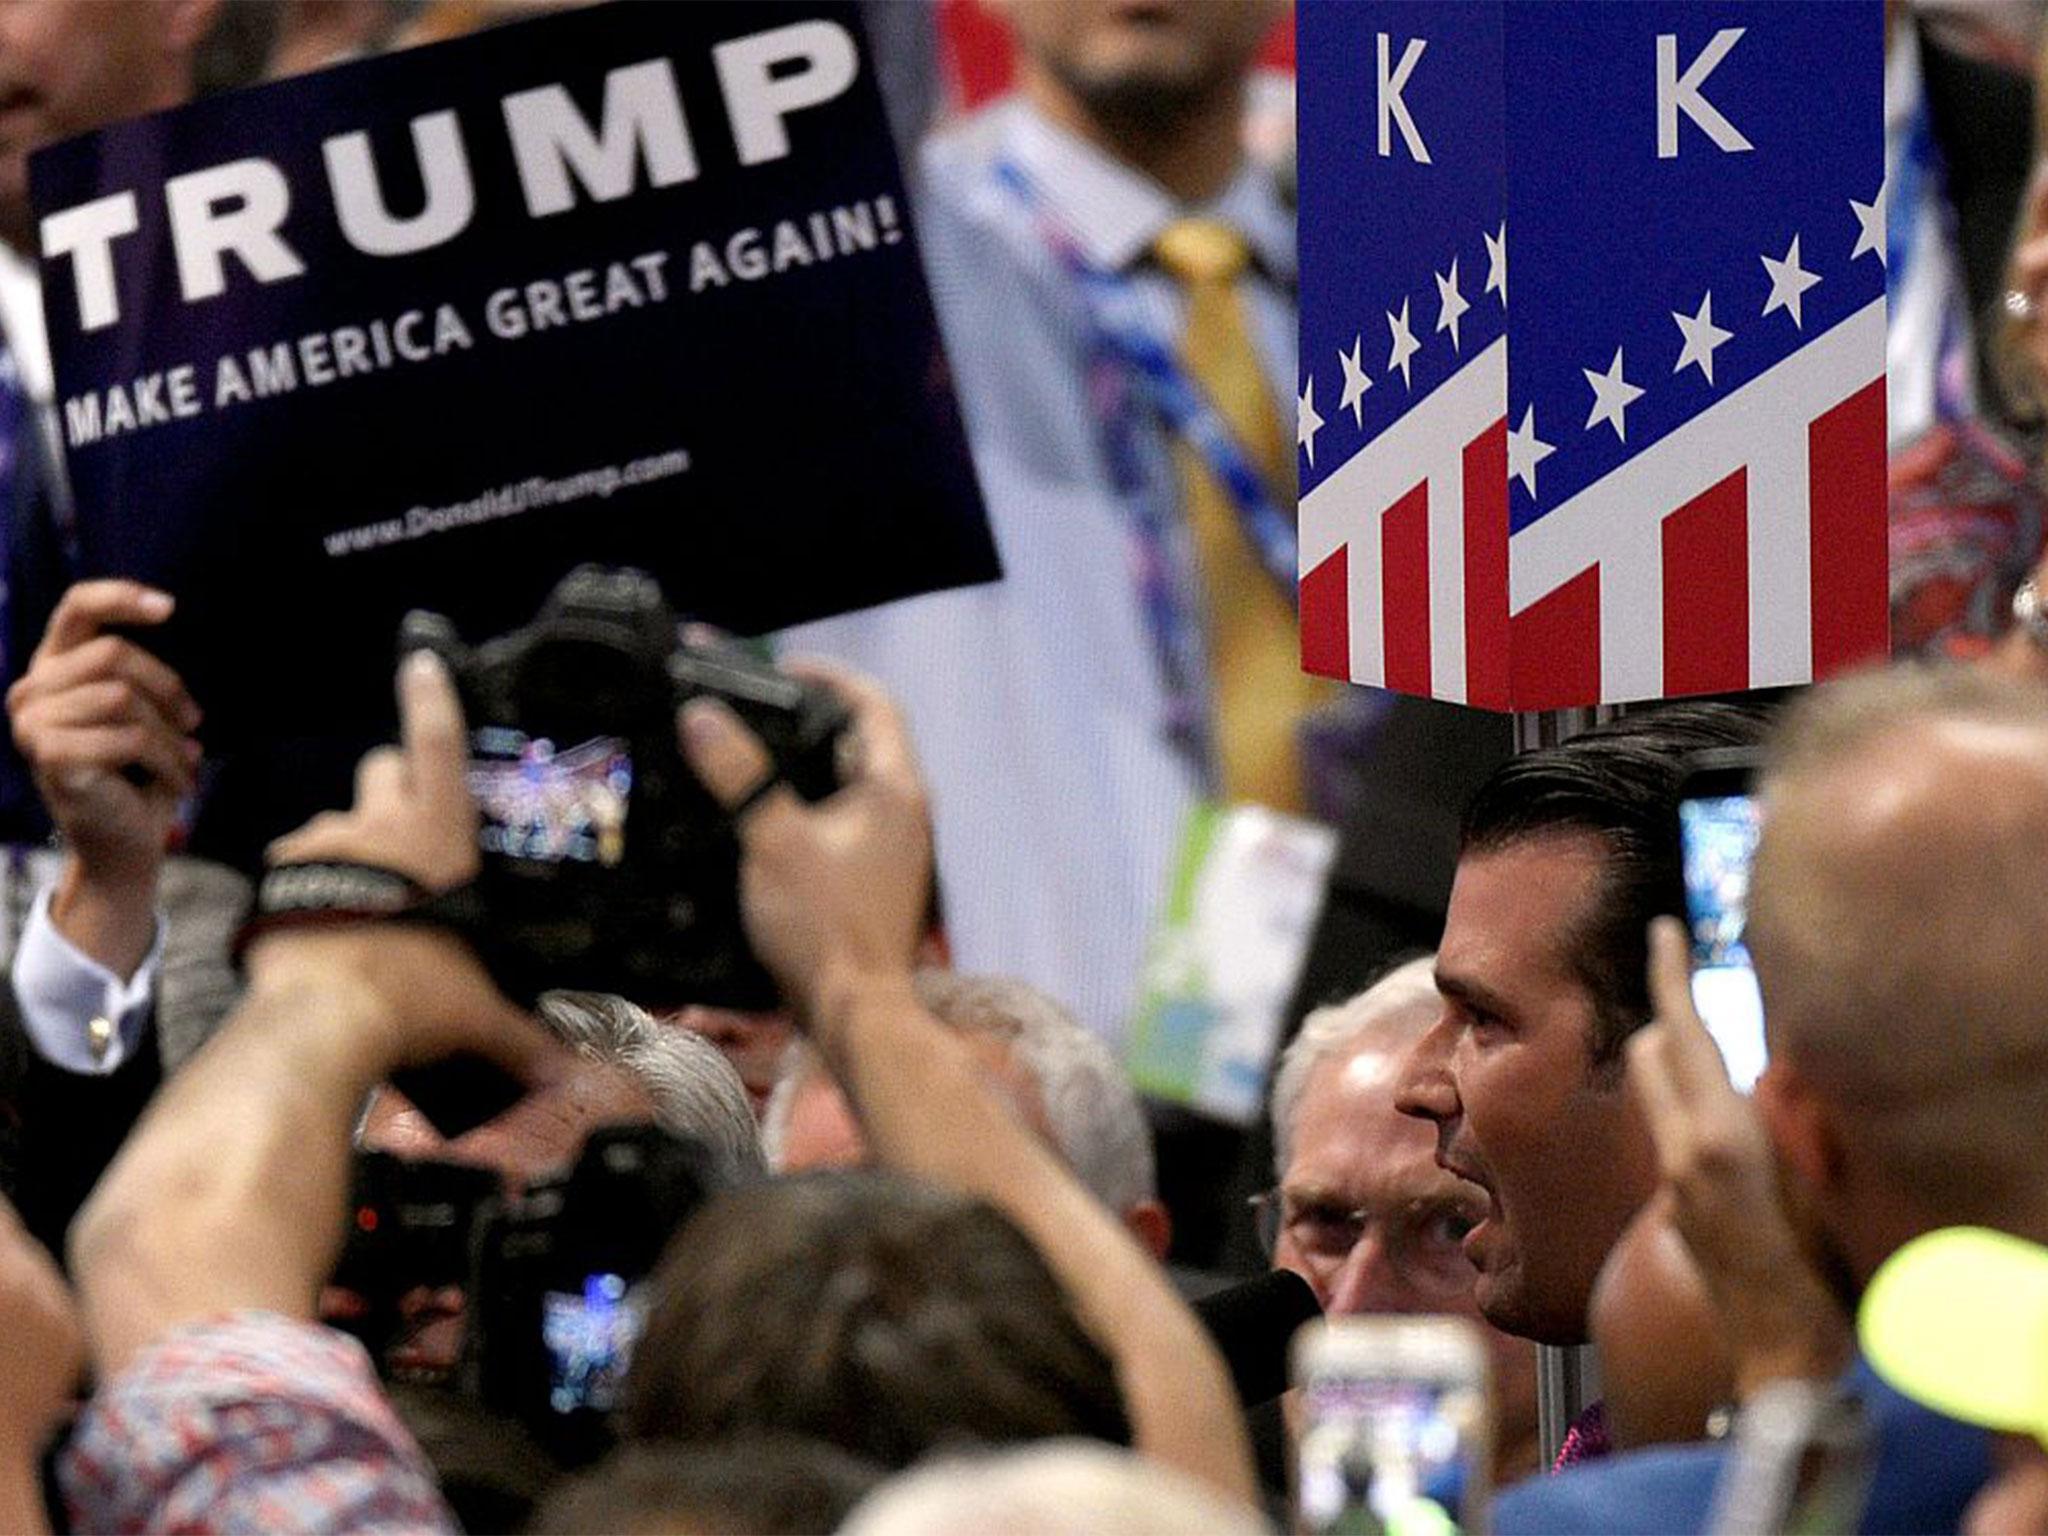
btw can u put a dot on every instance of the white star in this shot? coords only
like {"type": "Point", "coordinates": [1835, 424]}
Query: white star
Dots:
{"type": "Point", "coordinates": [1612, 395]}
{"type": "Point", "coordinates": [1450, 303]}
{"type": "Point", "coordinates": [1702, 336]}
{"type": "Point", "coordinates": [1405, 344]}
{"type": "Point", "coordinates": [1788, 281]}
{"type": "Point", "coordinates": [1497, 263]}
{"type": "Point", "coordinates": [1870, 216]}
{"type": "Point", "coordinates": [1526, 450]}
{"type": "Point", "coordinates": [1306, 422]}
{"type": "Point", "coordinates": [1355, 382]}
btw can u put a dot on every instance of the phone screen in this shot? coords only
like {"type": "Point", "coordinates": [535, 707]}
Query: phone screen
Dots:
{"type": "Point", "coordinates": [1386, 1452]}
{"type": "Point", "coordinates": [1719, 834]}
{"type": "Point", "coordinates": [551, 804]}
{"type": "Point", "coordinates": [589, 1338]}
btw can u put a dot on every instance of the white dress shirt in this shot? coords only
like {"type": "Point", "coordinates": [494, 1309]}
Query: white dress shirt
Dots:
{"type": "Point", "coordinates": [1037, 704]}
{"type": "Point", "coordinates": [78, 1014]}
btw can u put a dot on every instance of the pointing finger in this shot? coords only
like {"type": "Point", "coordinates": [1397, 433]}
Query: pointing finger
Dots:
{"type": "Point", "coordinates": [431, 732]}
{"type": "Point", "coordinates": [1695, 1060]}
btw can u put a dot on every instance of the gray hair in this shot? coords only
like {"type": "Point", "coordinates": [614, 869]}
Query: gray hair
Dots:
{"type": "Point", "coordinates": [695, 1090]}
{"type": "Point", "coordinates": [1069, 1487]}
{"type": "Point", "coordinates": [1097, 1126]}
{"type": "Point", "coordinates": [797, 1063]}
{"type": "Point", "coordinates": [1090, 1107]}
{"type": "Point", "coordinates": [1407, 989]}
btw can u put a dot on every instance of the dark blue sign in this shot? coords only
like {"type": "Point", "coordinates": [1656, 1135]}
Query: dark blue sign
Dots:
{"type": "Point", "coordinates": [635, 285]}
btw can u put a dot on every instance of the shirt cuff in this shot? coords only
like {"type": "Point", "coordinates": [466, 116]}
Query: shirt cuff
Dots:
{"type": "Point", "coordinates": [78, 1014]}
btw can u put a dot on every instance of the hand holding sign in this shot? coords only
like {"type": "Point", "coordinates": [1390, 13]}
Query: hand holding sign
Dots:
{"type": "Point", "coordinates": [105, 728]}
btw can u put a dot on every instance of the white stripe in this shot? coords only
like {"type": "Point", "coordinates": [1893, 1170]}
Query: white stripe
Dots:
{"type": "Point", "coordinates": [1616, 520]}
{"type": "Point", "coordinates": [1447, 583]}
{"type": "Point", "coordinates": [1426, 444]}
{"type": "Point", "coordinates": [1780, 561]}
{"type": "Point", "coordinates": [1632, 612]}
{"type": "Point", "coordinates": [1368, 634]}
{"type": "Point", "coordinates": [1447, 524]}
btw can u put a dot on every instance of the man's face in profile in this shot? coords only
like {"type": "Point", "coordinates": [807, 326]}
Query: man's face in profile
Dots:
{"type": "Point", "coordinates": [1508, 1077]}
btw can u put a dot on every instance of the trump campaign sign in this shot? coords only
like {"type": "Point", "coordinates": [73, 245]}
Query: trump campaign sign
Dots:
{"type": "Point", "coordinates": [636, 284]}
{"type": "Point", "coordinates": [1592, 346]}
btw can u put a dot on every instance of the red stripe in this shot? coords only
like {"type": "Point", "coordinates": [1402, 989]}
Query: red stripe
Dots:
{"type": "Point", "coordinates": [1846, 480]}
{"type": "Point", "coordinates": [1404, 581]}
{"type": "Point", "coordinates": [1555, 645]}
{"type": "Point", "coordinates": [1486, 568]}
{"type": "Point", "coordinates": [1706, 591]}
{"type": "Point", "coordinates": [1326, 617]}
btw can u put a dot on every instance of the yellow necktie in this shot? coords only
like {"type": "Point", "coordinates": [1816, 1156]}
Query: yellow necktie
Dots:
{"type": "Point", "coordinates": [1260, 691]}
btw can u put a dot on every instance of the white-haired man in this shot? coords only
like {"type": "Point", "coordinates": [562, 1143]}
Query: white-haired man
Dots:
{"type": "Point", "coordinates": [695, 1090]}
{"type": "Point", "coordinates": [1061, 1081]}
{"type": "Point", "coordinates": [629, 1069]}
{"type": "Point", "coordinates": [1361, 1210]}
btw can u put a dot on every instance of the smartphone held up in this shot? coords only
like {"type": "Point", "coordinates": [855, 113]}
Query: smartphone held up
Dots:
{"type": "Point", "coordinates": [1394, 1427]}
{"type": "Point", "coordinates": [1718, 822]}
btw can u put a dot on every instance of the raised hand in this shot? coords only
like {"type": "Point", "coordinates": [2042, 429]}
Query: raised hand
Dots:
{"type": "Point", "coordinates": [106, 730]}
{"type": "Point", "coordinates": [1717, 1164]}
{"type": "Point", "coordinates": [836, 891]}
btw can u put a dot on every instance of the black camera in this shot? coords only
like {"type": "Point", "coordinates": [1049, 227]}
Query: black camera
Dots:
{"type": "Point", "coordinates": [411, 1224]}
{"type": "Point", "coordinates": [551, 1278]}
{"type": "Point", "coordinates": [606, 864]}
{"type": "Point", "coordinates": [556, 1288]}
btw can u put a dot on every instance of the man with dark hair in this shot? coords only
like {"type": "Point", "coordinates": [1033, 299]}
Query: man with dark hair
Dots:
{"type": "Point", "coordinates": [1567, 853]}
{"type": "Point", "coordinates": [861, 1308]}
{"type": "Point", "coordinates": [1897, 904]}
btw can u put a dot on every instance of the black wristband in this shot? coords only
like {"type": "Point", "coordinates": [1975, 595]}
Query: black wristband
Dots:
{"type": "Point", "coordinates": [331, 886]}
{"type": "Point", "coordinates": [335, 894]}
{"type": "Point", "coordinates": [327, 894]}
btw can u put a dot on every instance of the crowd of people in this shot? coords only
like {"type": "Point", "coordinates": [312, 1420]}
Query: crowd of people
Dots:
{"type": "Point", "coordinates": [310, 1225]}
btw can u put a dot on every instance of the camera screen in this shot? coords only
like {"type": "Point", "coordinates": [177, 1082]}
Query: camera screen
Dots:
{"type": "Point", "coordinates": [589, 1339]}
{"type": "Point", "coordinates": [549, 803]}
{"type": "Point", "coordinates": [1380, 1452]}
{"type": "Point", "coordinates": [1720, 835]}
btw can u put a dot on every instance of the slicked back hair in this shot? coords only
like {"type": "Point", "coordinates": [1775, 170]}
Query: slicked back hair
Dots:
{"type": "Point", "coordinates": [1618, 783]}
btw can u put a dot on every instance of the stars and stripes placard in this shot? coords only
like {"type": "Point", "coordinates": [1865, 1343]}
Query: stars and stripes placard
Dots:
{"type": "Point", "coordinates": [1651, 461]}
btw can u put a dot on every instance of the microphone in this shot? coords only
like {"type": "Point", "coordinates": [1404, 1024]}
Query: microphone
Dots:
{"type": "Point", "coordinates": [1251, 1324]}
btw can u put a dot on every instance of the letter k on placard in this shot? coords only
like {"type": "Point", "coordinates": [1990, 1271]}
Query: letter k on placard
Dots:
{"type": "Point", "coordinates": [1393, 109]}
{"type": "Point", "coordinates": [1678, 93]}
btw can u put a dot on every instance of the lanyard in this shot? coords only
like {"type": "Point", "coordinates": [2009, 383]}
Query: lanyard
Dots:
{"type": "Point", "coordinates": [1125, 359]}
{"type": "Point", "coordinates": [17, 420]}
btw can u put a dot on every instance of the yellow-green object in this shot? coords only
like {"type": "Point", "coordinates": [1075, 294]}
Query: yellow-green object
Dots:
{"type": "Point", "coordinates": [1958, 1320]}
{"type": "Point", "coordinates": [1421, 1517]}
